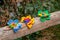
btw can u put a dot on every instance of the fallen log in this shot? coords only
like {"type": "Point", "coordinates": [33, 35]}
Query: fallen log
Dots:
{"type": "Point", "coordinates": [10, 35]}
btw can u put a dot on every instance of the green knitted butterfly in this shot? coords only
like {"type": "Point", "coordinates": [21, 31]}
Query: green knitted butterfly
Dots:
{"type": "Point", "coordinates": [44, 15]}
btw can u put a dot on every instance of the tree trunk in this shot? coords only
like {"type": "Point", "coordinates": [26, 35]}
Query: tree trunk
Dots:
{"type": "Point", "coordinates": [38, 25]}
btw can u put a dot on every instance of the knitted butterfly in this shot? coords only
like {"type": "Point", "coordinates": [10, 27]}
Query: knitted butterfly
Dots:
{"type": "Point", "coordinates": [14, 24]}
{"type": "Point", "coordinates": [44, 15]}
{"type": "Point", "coordinates": [28, 21]}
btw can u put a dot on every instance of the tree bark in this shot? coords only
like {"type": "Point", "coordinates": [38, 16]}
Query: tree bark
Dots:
{"type": "Point", "coordinates": [10, 35]}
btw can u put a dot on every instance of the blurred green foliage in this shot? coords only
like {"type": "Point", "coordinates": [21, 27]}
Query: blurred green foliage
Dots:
{"type": "Point", "coordinates": [32, 6]}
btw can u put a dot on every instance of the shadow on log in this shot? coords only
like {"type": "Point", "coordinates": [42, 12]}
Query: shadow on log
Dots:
{"type": "Point", "coordinates": [10, 35]}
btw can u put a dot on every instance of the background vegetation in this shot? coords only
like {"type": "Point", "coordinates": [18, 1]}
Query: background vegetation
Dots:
{"type": "Point", "coordinates": [12, 10]}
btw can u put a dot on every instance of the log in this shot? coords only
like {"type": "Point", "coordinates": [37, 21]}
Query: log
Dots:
{"type": "Point", "coordinates": [10, 35]}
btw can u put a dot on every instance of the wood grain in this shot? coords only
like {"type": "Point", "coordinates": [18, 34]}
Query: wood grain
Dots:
{"type": "Point", "coordinates": [10, 35]}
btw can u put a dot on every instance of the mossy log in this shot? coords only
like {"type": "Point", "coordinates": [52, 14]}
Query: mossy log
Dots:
{"type": "Point", "coordinates": [10, 35]}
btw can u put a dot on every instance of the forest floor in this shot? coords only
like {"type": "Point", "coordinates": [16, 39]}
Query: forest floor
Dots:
{"type": "Point", "coordinates": [52, 33]}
